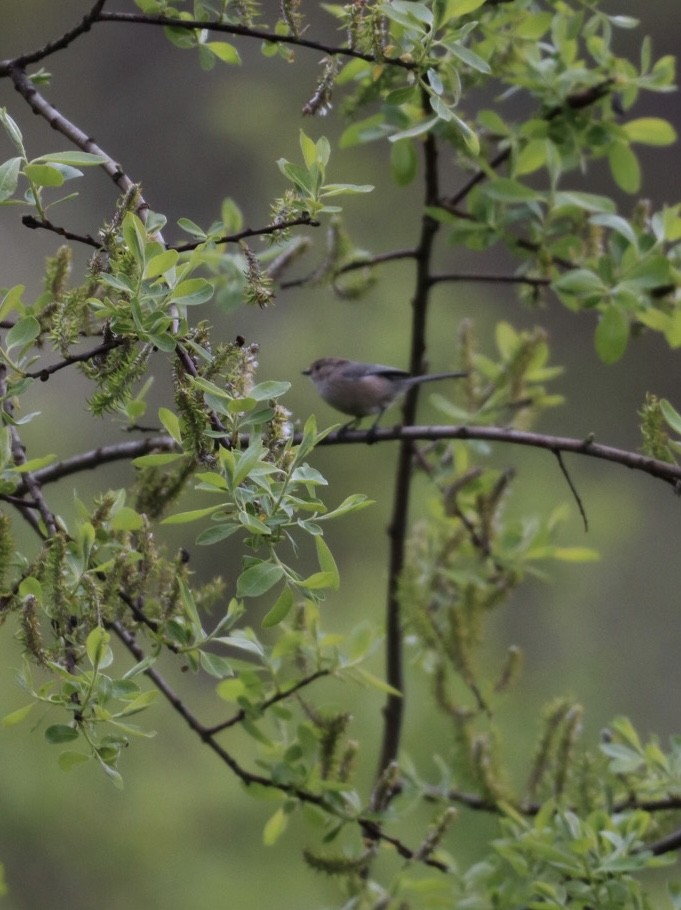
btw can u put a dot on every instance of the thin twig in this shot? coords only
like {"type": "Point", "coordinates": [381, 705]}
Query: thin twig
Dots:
{"type": "Point", "coordinates": [480, 277]}
{"type": "Point", "coordinates": [30, 483]}
{"type": "Point", "coordinates": [57, 45]}
{"type": "Point", "coordinates": [30, 221]}
{"type": "Point", "coordinates": [279, 696]}
{"type": "Point", "coordinates": [304, 220]}
{"type": "Point", "coordinates": [45, 373]}
{"type": "Point", "coordinates": [573, 488]}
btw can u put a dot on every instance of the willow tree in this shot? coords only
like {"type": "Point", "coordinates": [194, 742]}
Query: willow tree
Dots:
{"type": "Point", "coordinates": [98, 598]}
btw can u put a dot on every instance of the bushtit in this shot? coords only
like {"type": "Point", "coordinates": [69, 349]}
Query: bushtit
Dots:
{"type": "Point", "coordinates": [361, 389]}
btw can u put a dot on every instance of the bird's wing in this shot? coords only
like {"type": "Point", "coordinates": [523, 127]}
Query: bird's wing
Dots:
{"type": "Point", "coordinates": [357, 370]}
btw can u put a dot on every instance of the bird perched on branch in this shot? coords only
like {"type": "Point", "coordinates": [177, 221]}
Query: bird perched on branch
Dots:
{"type": "Point", "coordinates": [363, 389]}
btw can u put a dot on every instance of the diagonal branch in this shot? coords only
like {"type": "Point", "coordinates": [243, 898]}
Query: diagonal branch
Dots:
{"type": "Point", "coordinates": [58, 44]}
{"type": "Point", "coordinates": [42, 107]}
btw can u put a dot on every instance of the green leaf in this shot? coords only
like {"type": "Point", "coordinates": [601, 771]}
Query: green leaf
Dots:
{"type": "Point", "coordinates": [503, 189]}
{"type": "Point", "coordinates": [135, 236]}
{"type": "Point", "coordinates": [457, 8]}
{"type": "Point", "coordinates": [624, 167]}
{"type": "Point", "coordinates": [223, 51]}
{"type": "Point", "coordinates": [326, 562]}
{"type": "Point", "coordinates": [12, 129]}
{"type": "Point", "coordinates": [16, 717]}
{"type": "Point", "coordinates": [612, 335]}
{"type": "Point", "coordinates": [44, 175]}
{"type": "Point", "coordinates": [156, 460]}
{"type": "Point", "coordinates": [352, 503]}
{"type": "Point", "coordinates": [60, 733]}
{"type": "Point", "coordinates": [575, 554]}
{"type": "Point", "coordinates": [74, 158]}
{"type": "Point", "coordinates": [161, 263]}
{"type": "Point", "coordinates": [191, 228]}
{"type": "Point", "coordinates": [215, 665]}
{"type": "Point", "coordinates": [469, 57]}
{"type": "Point", "coordinates": [9, 177]}
{"type": "Point", "coordinates": [192, 292]}
{"type": "Point", "coordinates": [650, 131]}
{"type": "Point", "coordinates": [375, 682]}
{"type": "Point", "coordinates": [126, 519]}
{"type": "Point", "coordinates": [34, 464]}
{"type": "Point", "coordinates": [671, 415]}
{"type": "Point", "coordinates": [418, 129]}
{"type": "Point", "coordinates": [258, 578]}
{"type": "Point", "coordinates": [97, 647]}
{"type": "Point", "coordinates": [23, 332]}
{"type": "Point", "coordinates": [69, 759]}
{"type": "Point", "coordinates": [171, 423]}
{"type": "Point", "coordinates": [579, 281]}
{"type": "Point", "coordinates": [181, 518]}
{"type": "Point", "coordinates": [12, 299]}
{"type": "Point", "coordinates": [274, 827]}
{"type": "Point", "coordinates": [263, 391]}
{"type": "Point", "coordinates": [403, 162]}
{"type": "Point", "coordinates": [318, 581]}
{"type": "Point", "coordinates": [590, 202]}
{"type": "Point", "coordinates": [280, 610]}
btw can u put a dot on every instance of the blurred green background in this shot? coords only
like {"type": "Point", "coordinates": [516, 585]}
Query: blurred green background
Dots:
{"type": "Point", "coordinates": [183, 833]}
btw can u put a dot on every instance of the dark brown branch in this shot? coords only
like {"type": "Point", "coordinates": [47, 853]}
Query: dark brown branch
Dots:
{"type": "Point", "coordinates": [58, 44]}
{"type": "Point", "coordinates": [573, 488]}
{"type": "Point", "coordinates": [248, 778]}
{"type": "Point", "coordinates": [44, 374]}
{"type": "Point", "coordinates": [41, 106]}
{"type": "Point", "coordinates": [397, 530]}
{"type": "Point", "coordinates": [87, 461]}
{"type": "Point", "coordinates": [246, 32]}
{"type": "Point", "coordinates": [663, 470]}
{"type": "Point", "coordinates": [279, 696]}
{"type": "Point", "coordinates": [378, 259]}
{"type": "Point", "coordinates": [30, 221]}
{"type": "Point", "coordinates": [374, 832]}
{"type": "Point", "coordinates": [249, 232]}
{"type": "Point", "coordinates": [480, 277]}
{"type": "Point", "coordinates": [30, 483]}
{"type": "Point", "coordinates": [121, 451]}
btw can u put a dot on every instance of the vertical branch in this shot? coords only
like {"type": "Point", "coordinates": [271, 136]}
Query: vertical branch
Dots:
{"type": "Point", "coordinates": [397, 531]}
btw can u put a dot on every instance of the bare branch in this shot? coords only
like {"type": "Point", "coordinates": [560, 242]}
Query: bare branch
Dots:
{"type": "Point", "coordinates": [57, 45]}
{"type": "Point", "coordinates": [474, 277]}
{"type": "Point", "coordinates": [44, 374]}
{"type": "Point", "coordinates": [249, 232]}
{"type": "Point", "coordinates": [397, 530]}
{"type": "Point", "coordinates": [246, 32]}
{"type": "Point", "coordinates": [41, 106]}
{"type": "Point", "coordinates": [663, 470]}
{"type": "Point", "coordinates": [30, 221]}
{"type": "Point", "coordinates": [87, 461]}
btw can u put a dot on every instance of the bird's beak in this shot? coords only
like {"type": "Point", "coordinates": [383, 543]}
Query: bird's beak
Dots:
{"type": "Point", "coordinates": [307, 372]}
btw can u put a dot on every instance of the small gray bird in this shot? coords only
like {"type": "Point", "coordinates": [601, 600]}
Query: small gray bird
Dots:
{"type": "Point", "coordinates": [360, 389]}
